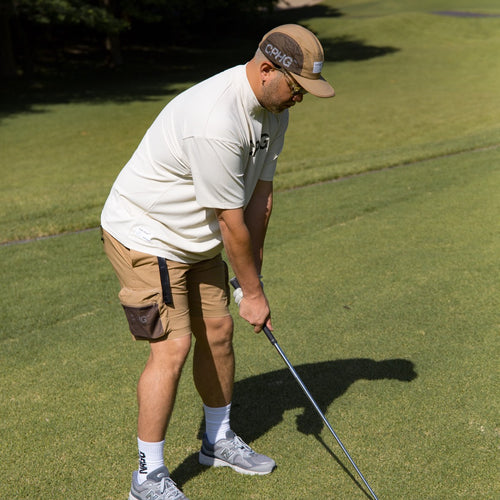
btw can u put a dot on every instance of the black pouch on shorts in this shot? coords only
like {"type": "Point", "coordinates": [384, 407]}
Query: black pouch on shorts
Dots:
{"type": "Point", "coordinates": [144, 322]}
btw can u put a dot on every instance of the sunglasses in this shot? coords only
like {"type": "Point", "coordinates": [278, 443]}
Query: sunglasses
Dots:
{"type": "Point", "coordinates": [295, 88]}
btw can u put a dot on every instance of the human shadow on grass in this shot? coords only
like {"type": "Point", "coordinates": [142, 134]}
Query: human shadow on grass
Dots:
{"type": "Point", "coordinates": [259, 402]}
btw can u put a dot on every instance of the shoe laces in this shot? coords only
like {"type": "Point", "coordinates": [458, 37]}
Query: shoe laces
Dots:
{"type": "Point", "coordinates": [238, 443]}
{"type": "Point", "coordinates": [168, 484]}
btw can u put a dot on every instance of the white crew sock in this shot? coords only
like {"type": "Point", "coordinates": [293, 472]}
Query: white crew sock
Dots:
{"type": "Point", "coordinates": [217, 422]}
{"type": "Point", "coordinates": [150, 458]}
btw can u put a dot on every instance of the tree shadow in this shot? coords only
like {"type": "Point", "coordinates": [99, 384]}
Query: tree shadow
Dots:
{"type": "Point", "coordinates": [300, 14]}
{"type": "Point", "coordinates": [259, 402]}
{"type": "Point", "coordinates": [338, 49]}
{"type": "Point", "coordinates": [150, 74]}
{"type": "Point", "coordinates": [345, 48]}
{"type": "Point", "coordinates": [155, 71]}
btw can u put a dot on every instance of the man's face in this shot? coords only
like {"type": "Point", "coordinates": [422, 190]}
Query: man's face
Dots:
{"type": "Point", "coordinates": [277, 93]}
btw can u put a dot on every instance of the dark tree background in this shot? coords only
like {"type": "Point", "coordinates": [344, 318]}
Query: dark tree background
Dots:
{"type": "Point", "coordinates": [34, 33]}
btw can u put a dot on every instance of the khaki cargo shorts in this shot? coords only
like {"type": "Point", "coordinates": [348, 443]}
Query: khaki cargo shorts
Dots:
{"type": "Point", "coordinates": [160, 296]}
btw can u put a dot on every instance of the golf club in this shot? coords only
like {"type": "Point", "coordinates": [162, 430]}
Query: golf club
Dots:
{"type": "Point", "coordinates": [270, 336]}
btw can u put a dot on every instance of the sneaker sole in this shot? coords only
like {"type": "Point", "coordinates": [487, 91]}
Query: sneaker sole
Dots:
{"type": "Point", "coordinates": [217, 462]}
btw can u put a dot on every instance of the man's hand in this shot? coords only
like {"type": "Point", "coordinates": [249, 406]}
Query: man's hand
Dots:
{"type": "Point", "coordinates": [256, 311]}
{"type": "Point", "coordinates": [250, 308]}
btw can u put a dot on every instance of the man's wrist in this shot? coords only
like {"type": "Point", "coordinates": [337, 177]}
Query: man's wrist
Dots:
{"type": "Point", "coordinates": [251, 293]}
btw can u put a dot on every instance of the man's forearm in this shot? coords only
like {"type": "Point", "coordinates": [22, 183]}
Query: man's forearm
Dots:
{"type": "Point", "coordinates": [257, 216]}
{"type": "Point", "coordinates": [254, 307]}
{"type": "Point", "coordinates": [239, 249]}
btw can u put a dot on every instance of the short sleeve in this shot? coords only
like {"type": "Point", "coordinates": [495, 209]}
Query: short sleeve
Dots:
{"type": "Point", "coordinates": [218, 172]}
{"type": "Point", "coordinates": [275, 148]}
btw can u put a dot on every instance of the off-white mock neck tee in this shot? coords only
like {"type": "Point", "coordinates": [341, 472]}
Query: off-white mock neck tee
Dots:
{"type": "Point", "coordinates": [206, 149]}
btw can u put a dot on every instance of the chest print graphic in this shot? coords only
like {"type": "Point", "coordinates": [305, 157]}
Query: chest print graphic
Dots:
{"type": "Point", "coordinates": [263, 143]}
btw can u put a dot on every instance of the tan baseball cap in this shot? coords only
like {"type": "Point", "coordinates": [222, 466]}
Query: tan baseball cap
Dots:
{"type": "Point", "coordinates": [296, 49]}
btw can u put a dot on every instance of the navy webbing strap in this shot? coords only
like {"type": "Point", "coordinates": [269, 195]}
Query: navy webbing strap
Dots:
{"type": "Point", "coordinates": [165, 282]}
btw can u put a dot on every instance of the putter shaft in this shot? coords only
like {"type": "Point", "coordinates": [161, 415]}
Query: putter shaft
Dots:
{"type": "Point", "coordinates": [274, 342]}
{"type": "Point", "coordinates": [270, 336]}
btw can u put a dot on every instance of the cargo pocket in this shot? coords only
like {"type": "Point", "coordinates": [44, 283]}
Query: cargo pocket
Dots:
{"type": "Point", "coordinates": [142, 309]}
{"type": "Point", "coordinates": [144, 322]}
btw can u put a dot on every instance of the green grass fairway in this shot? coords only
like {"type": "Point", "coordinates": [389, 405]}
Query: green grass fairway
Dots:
{"type": "Point", "coordinates": [410, 85]}
{"type": "Point", "coordinates": [384, 293]}
{"type": "Point", "coordinates": [381, 266]}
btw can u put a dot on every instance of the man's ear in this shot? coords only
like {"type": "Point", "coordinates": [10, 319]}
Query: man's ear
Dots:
{"type": "Point", "coordinates": [266, 70]}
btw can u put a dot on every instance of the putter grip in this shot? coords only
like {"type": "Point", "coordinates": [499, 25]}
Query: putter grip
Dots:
{"type": "Point", "coordinates": [269, 335]}
{"type": "Point", "coordinates": [234, 283]}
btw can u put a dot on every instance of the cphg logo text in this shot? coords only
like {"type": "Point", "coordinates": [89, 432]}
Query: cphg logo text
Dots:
{"type": "Point", "coordinates": [277, 55]}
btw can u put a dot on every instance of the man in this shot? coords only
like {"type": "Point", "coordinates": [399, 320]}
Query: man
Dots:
{"type": "Point", "coordinates": [200, 180]}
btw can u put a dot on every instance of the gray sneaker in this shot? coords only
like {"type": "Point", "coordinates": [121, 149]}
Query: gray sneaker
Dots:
{"type": "Point", "coordinates": [158, 485]}
{"type": "Point", "coordinates": [235, 453]}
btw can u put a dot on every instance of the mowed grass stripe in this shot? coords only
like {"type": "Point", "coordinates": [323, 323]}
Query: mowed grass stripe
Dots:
{"type": "Point", "coordinates": [336, 179]}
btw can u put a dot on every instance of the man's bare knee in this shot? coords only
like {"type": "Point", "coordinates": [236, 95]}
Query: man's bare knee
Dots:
{"type": "Point", "coordinates": [169, 355]}
{"type": "Point", "coordinates": [214, 332]}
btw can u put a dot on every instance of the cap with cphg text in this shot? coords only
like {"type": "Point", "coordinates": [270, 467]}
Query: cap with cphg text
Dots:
{"type": "Point", "coordinates": [297, 50]}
